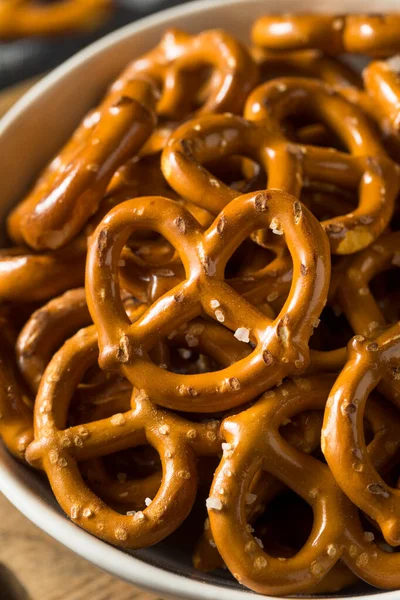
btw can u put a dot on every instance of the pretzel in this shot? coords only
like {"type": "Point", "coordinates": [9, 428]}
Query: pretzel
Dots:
{"type": "Point", "coordinates": [382, 82]}
{"type": "Point", "coordinates": [176, 64]}
{"type": "Point", "coordinates": [21, 18]}
{"type": "Point", "coordinates": [337, 532]}
{"type": "Point", "coordinates": [303, 432]}
{"type": "Point", "coordinates": [370, 361]}
{"type": "Point", "coordinates": [58, 451]}
{"type": "Point", "coordinates": [374, 35]}
{"type": "Point", "coordinates": [281, 345]}
{"type": "Point", "coordinates": [28, 276]}
{"type": "Point", "coordinates": [69, 192]}
{"type": "Point", "coordinates": [288, 164]}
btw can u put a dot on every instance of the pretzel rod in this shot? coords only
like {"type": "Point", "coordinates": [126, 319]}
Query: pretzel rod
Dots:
{"type": "Point", "coordinates": [204, 256]}
{"type": "Point", "coordinates": [21, 18]}
{"type": "Point", "coordinates": [374, 35]}
{"type": "Point", "coordinates": [337, 531]}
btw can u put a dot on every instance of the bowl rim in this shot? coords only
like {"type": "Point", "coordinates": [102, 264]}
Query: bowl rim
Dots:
{"type": "Point", "coordinates": [13, 483]}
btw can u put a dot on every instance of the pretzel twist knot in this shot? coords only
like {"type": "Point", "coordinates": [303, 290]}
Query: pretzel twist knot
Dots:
{"type": "Point", "coordinates": [374, 35]}
{"type": "Point", "coordinates": [261, 137]}
{"type": "Point", "coordinates": [58, 450]}
{"type": "Point", "coordinates": [370, 362]}
{"type": "Point", "coordinates": [254, 442]}
{"type": "Point", "coordinates": [281, 346]}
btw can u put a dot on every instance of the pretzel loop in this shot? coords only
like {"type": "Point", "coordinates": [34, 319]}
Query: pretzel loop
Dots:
{"type": "Point", "coordinates": [342, 437]}
{"type": "Point", "coordinates": [281, 346]}
{"type": "Point", "coordinates": [58, 451]}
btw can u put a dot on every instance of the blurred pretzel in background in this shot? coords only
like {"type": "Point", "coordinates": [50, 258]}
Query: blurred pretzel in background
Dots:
{"type": "Point", "coordinates": [236, 212]}
{"type": "Point", "coordinates": [22, 18]}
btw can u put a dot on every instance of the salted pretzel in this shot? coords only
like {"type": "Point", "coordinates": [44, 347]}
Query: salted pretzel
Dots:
{"type": "Point", "coordinates": [304, 432]}
{"type": "Point", "coordinates": [374, 35]}
{"type": "Point", "coordinates": [21, 18]}
{"type": "Point", "coordinates": [71, 190]}
{"type": "Point", "coordinates": [58, 450]}
{"type": "Point", "coordinates": [28, 276]}
{"type": "Point", "coordinates": [337, 531]}
{"type": "Point", "coordinates": [382, 82]}
{"type": "Point", "coordinates": [281, 345]}
{"type": "Point", "coordinates": [261, 137]}
{"type": "Point", "coordinates": [343, 444]}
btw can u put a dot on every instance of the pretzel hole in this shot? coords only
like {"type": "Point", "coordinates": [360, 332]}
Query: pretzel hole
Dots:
{"type": "Point", "coordinates": [305, 129]}
{"type": "Point", "coordinates": [241, 173]}
{"type": "Point", "coordinates": [285, 525]}
{"type": "Point", "coordinates": [385, 289]}
{"type": "Point", "coordinates": [331, 331]}
{"type": "Point", "coordinates": [327, 200]}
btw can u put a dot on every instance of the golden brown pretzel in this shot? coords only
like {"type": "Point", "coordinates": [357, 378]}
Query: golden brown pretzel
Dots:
{"type": "Point", "coordinates": [28, 276]}
{"type": "Point", "coordinates": [303, 432]}
{"type": "Point", "coordinates": [337, 532]}
{"type": "Point", "coordinates": [382, 82]}
{"type": "Point", "coordinates": [70, 191]}
{"type": "Point", "coordinates": [262, 138]}
{"type": "Point", "coordinates": [176, 64]}
{"type": "Point", "coordinates": [58, 450]}
{"type": "Point", "coordinates": [374, 35]}
{"type": "Point", "coordinates": [20, 18]}
{"type": "Point", "coordinates": [343, 444]}
{"type": "Point", "coordinates": [281, 346]}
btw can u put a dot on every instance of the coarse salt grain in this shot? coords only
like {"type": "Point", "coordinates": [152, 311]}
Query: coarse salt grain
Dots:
{"type": "Point", "coordinates": [214, 503]}
{"type": "Point", "coordinates": [242, 334]}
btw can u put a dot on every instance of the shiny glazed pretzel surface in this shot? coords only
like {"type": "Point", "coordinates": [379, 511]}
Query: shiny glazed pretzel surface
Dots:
{"type": "Point", "coordinates": [200, 305]}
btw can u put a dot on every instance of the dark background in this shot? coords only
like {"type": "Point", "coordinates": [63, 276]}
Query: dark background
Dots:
{"type": "Point", "coordinates": [24, 58]}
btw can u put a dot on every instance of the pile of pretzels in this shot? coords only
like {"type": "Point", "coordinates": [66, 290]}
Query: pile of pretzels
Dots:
{"type": "Point", "coordinates": [201, 305]}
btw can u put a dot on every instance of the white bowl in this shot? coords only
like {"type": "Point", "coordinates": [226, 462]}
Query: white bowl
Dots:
{"type": "Point", "coordinates": [29, 135]}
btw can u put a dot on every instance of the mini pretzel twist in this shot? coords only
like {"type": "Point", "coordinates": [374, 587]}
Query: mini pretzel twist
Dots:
{"type": "Point", "coordinates": [21, 18]}
{"type": "Point", "coordinates": [58, 450]}
{"type": "Point", "coordinates": [370, 361]}
{"type": "Point", "coordinates": [382, 82]}
{"type": "Point", "coordinates": [337, 532]}
{"type": "Point", "coordinates": [262, 138]}
{"type": "Point", "coordinates": [280, 346]}
{"type": "Point", "coordinates": [374, 35]}
{"type": "Point", "coordinates": [71, 189]}
{"type": "Point", "coordinates": [175, 63]}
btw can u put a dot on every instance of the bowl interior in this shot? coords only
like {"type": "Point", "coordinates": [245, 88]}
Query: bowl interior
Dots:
{"type": "Point", "coordinates": [29, 135]}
